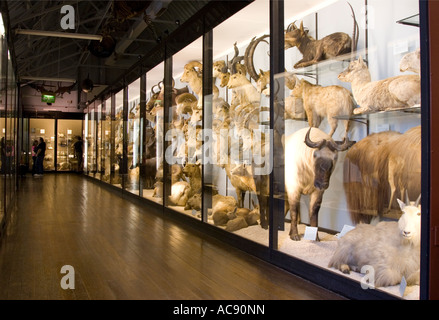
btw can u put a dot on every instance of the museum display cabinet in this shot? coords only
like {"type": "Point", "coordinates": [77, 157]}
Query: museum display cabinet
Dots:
{"type": "Point", "coordinates": [9, 141]}
{"type": "Point", "coordinates": [60, 135]}
{"type": "Point", "coordinates": [297, 135]}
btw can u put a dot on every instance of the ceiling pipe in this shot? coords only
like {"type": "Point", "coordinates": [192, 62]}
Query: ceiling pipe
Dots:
{"type": "Point", "coordinates": [29, 78]}
{"type": "Point", "coordinates": [69, 35]}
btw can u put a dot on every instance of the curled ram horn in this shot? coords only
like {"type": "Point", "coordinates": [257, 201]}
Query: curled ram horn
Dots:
{"type": "Point", "coordinates": [193, 65]}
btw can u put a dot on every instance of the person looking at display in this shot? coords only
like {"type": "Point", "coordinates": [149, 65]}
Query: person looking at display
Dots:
{"type": "Point", "coordinates": [34, 156]}
{"type": "Point", "coordinates": [41, 152]}
{"type": "Point", "coordinates": [78, 153]}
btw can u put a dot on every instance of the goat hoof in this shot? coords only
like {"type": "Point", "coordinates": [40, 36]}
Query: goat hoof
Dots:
{"type": "Point", "coordinates": [345, 269]}
{"type": "Point", "coordinates": [264, 226]}
{"type": "Point", "coordinates": [295, 237]}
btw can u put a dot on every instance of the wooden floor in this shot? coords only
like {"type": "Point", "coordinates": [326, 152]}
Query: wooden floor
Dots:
{"type": "Point", "coordinates": [121, 251]}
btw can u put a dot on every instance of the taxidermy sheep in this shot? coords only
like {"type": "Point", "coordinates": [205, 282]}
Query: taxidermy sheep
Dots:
{"type": "Point", "coordinates": [392, 249]}
{"type": "Point", "coordinates": [388, 94]}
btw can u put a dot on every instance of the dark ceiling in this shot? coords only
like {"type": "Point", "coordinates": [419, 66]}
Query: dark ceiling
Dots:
{"type": "Point", "coordinates": [131, 30]}
{"type": "Point", "coordinates": [134, 33]}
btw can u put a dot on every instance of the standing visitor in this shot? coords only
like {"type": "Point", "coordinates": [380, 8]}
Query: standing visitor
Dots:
{"type": "Point", "coordinates": [34, 157]}
{"type": "Point", "coordinates": [41, 152]}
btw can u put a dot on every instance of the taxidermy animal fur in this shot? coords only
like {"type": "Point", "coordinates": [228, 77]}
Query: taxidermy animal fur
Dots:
{"type": "Point", "coordinates": [411, 62]}
{"type": "Point", "coordinates": [392, 93]}
{"type": "Point", "coordinates": [310, 159]}
{"type": "Point", "coordinates": [180, 193]}
{"type": "Point", "coordinates": [313, 51]}
{"type": "Point", "coordinates": [324, 102]}
{"type": "Point", "coordinates": [391, 248]}
{"type": "Point", "coordinates": [377, 168]}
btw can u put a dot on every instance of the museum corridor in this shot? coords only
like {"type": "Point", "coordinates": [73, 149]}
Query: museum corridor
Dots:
{"type": "Point", "coordinates": [119, 250]}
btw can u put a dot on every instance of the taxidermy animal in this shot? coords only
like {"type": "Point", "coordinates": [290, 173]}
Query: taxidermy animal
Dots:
{"type": "Point", "coordinates": [392, 93]}
{"type": "Point", "coordinates": [411, 62]}
{"type": "Point", "coordinates": [392, 249]}
{"type": "Point", "coordinates": [365, 176]}
{"type": "Point", "coordinates": [324, 102]}
{"type": "Point", "coordinates": [180, 193]}
{"type": "Point", "coordinates": [379, 168]}
{"type": "Point", "coordinates": [310, 159]}
{"type": "Point", "coordinates": [193, 74]}
{"type": "Point", "coordinates": [313, 51]}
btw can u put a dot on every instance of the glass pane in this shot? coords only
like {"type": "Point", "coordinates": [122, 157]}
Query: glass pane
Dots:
{"type": "Point", "coordinates": [153, 136]}
{"type": "Point", "coordinates": [351, 149]}
{"type": "Point", "coordinates": [70, 145]}
{"type": "Point", "coordinates": [107, 142]}
{"type": "Point", "coordinates": [99, 145]}
{"type": "Point", "coordinates": [240, 125]}
{"type": "Point", "coordinates": [118, 143]}
{"type": "Point", "coordinates": [133, 137]}
{"type": "Point", "coordinates": [185, 117]}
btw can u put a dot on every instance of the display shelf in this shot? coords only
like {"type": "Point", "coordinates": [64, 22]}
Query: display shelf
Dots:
{"type": "Point", "coordinates": [410, 21]}
{"type": "Point", "coordinates": [381, 114]}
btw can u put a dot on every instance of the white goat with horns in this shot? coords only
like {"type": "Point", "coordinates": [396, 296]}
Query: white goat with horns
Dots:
{"type": "Point", "coordinates": [391, 248]}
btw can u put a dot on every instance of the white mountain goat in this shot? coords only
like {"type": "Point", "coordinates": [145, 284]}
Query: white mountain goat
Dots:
{"type": "Point", "coordinates": [392, 93]}
{"type": "Point", "coordinates": [392, 249]}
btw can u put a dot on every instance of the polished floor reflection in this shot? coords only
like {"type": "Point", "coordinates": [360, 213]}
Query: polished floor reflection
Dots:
{"type": "Point", "coordinates": [119, 250]}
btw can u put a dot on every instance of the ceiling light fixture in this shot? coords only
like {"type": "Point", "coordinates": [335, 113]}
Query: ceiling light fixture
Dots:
{"type": "Point", "coordinates": [59, 34]}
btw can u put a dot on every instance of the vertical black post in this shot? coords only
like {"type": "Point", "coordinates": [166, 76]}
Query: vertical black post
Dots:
{"type": "Point", "coordinates": [277, 121]}
{"type": "Point", "coordinates": [426, 118]}
{"type": "Point", "coordinates": [142, 123]}
{"type": "Point", "coordinates": [167, 118]}
{"type": "Point", "coordinates": [207, 157]}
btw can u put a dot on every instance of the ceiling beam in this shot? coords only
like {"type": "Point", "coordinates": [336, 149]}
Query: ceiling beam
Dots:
{"type": "Point", "coordinates": [69, 35]}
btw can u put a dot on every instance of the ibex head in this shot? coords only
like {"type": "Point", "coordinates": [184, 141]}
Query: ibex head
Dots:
{"type": "Point", "coordinates": [294, 35]}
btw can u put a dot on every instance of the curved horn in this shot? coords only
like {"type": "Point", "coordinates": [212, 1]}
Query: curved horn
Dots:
{"type": "Point", "coordinates": [346, 144]}
{"type": "Point", "coordinates": [292, 26]}
{"type": "Point", "coordinates": [236, 59]}
{"type": "Point", "coordinates": [193, 65]}
{"type": "Point", "coordinates": [407, 199]}
{"type": "Point", "coordinates": [311, 144]}
{"type": "Point", "coordinates": [418, 201]}
{"type": "Point", "coordinates": [249, 54]}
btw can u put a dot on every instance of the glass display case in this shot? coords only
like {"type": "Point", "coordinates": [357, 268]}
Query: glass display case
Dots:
{"type": "Point", "coordinates": [69, 132]}
{"type": "Point", "coordinates": [134, 157]}
{"type": "Point", "coordinates": [117, 128]}
{"type": "Point", "coordinates": [44, 128]}
{"type": "Point", "coordinates": [107, 141]}
{"type": "Point", "coordinates": [91, 141]}
{"type": "Point", "coordinates": [152, 136]}
{"type": "Point", "coordinates": [290, 137]}
{"type": "Point", "coordinates": [99, 141]}
{"type": "Point", "coordinates": [351, 149]}
{"type": "Point", "coordinates": [10, 154]}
